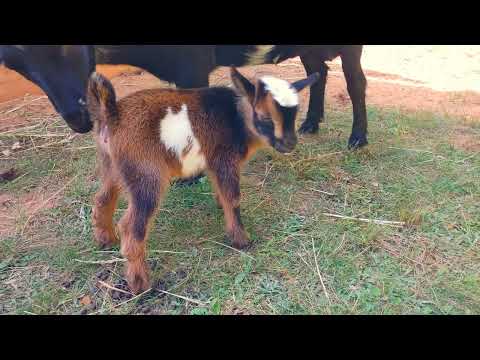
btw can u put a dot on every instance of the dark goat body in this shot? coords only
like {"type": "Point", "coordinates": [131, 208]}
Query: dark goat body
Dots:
{"type": "Point", "coordinates": [152, 136]}
{"type": "Point", "coordinates": [62, 72]}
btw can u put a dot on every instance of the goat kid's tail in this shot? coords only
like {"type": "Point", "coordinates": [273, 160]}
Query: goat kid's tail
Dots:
{"type": "Point", "coordinates": [102, 101]}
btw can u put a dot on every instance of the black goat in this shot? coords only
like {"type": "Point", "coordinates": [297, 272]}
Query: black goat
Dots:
{"type": "Point", "coordinates": [62, 71]}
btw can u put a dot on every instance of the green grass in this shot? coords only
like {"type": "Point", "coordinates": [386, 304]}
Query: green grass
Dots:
{"type": "Point", "coordinates": [409, 173]}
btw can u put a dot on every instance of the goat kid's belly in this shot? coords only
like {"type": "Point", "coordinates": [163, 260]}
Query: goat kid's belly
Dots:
{"type": "Point", "coordinates": [192, 164]}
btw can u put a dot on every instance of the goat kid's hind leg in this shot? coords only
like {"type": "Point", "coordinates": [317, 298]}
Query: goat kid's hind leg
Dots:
{"type": "Point", "coordinates": [134, 228]}
{"type": "Point", "coordinates": [102, 215]}
{"type": "Point", "coordinates": [105, 203]}
{"type": "Point", "coordinates": [227, 189]}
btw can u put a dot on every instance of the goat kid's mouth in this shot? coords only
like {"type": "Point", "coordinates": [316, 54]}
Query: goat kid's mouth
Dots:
{"type": "Point", "coordinates": [284, 145]}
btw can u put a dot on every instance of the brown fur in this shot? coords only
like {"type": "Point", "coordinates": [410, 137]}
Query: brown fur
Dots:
{"type": "Point", "coordinates": [132, 156]}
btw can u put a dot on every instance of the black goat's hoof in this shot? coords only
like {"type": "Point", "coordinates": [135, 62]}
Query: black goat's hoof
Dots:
{"type": "Point", "coordinates": [357, 142]}
{"type": "Point", "coordinates": [189, 182]}
{"type": "Point", "coordinates": [309, 127]}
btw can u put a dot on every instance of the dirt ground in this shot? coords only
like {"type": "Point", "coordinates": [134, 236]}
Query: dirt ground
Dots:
{"type": "Point", "coordinates": [441, 79]}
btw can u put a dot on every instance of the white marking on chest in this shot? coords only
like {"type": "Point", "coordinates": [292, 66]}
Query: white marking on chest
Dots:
{"type": "Point", "coordinates": [177, 135]}
{"type": "Point", "coordinates": [281, 91]}
{"type": "Point", "coordinates": [260, 55]}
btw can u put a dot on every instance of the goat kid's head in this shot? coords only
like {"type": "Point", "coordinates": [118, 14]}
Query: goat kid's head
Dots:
{"type": "Point", "coordinates": [275, 106]}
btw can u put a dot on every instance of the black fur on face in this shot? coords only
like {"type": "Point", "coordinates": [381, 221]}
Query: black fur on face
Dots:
{"type": "Point", "coordinates": [289, 140]}
{"type": "Point", "coordinates": [266, 127]}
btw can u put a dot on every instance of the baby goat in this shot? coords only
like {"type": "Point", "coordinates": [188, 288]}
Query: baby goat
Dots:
{"type": "Point", "coordinates": [152, 136]}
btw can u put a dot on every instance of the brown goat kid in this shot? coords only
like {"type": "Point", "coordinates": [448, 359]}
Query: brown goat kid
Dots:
{"type": "Point", "coordinates": [152, 136]}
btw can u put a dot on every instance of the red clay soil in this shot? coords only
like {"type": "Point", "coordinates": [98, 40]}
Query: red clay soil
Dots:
{"type": "Point", "coordinates": [11, 208]}
{"type": "Point", "coordinates": [14, 86]}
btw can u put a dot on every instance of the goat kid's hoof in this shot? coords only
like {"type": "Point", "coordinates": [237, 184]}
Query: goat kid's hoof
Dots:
{"type": "Point", "coordinates": [138, 282]}
{"type": "Point", "coordinates": [309, 127]}
{"type": "Point", "coordinates": [138, 285]}
{"type": "Point", "coordinates": [244, 245]}
{"type": "Point", "coordinates": [357, 142]}
{"type": "Point", "coordinates": [105, 239]}
{"type": "Point", "coordinates": [239, 243]}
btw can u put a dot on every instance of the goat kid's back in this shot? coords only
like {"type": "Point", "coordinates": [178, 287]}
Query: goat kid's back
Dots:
{"type": "Point", "coordinates": [183, 127]}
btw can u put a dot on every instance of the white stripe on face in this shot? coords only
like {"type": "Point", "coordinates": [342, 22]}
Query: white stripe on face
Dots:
{"type": "Point", "coordinates": [281, 91]}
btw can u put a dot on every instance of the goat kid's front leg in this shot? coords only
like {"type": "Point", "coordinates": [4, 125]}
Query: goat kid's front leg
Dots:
{"type": "Point", "coordinates": [227, 189]}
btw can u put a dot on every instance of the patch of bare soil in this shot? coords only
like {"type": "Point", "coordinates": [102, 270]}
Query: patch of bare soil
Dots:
{"type": "Point", "coordinates": [463, 139]}
{"type": "Point", "coordinates": [9, 175]}
{"type": "Point", "coordinates": [12, 207]}
{"type": "Point", "coordinates": [22, 103]}
{"type": "Point", "coordinates": [7, 219]}
{"type": "Point", "coordinates": [13, 86]}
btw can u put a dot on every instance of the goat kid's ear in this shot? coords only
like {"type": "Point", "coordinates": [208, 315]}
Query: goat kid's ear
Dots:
{"type": "Point", "coordinates": [242, 84]}
{"type": "Point", "coordinates": [310, 81]}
